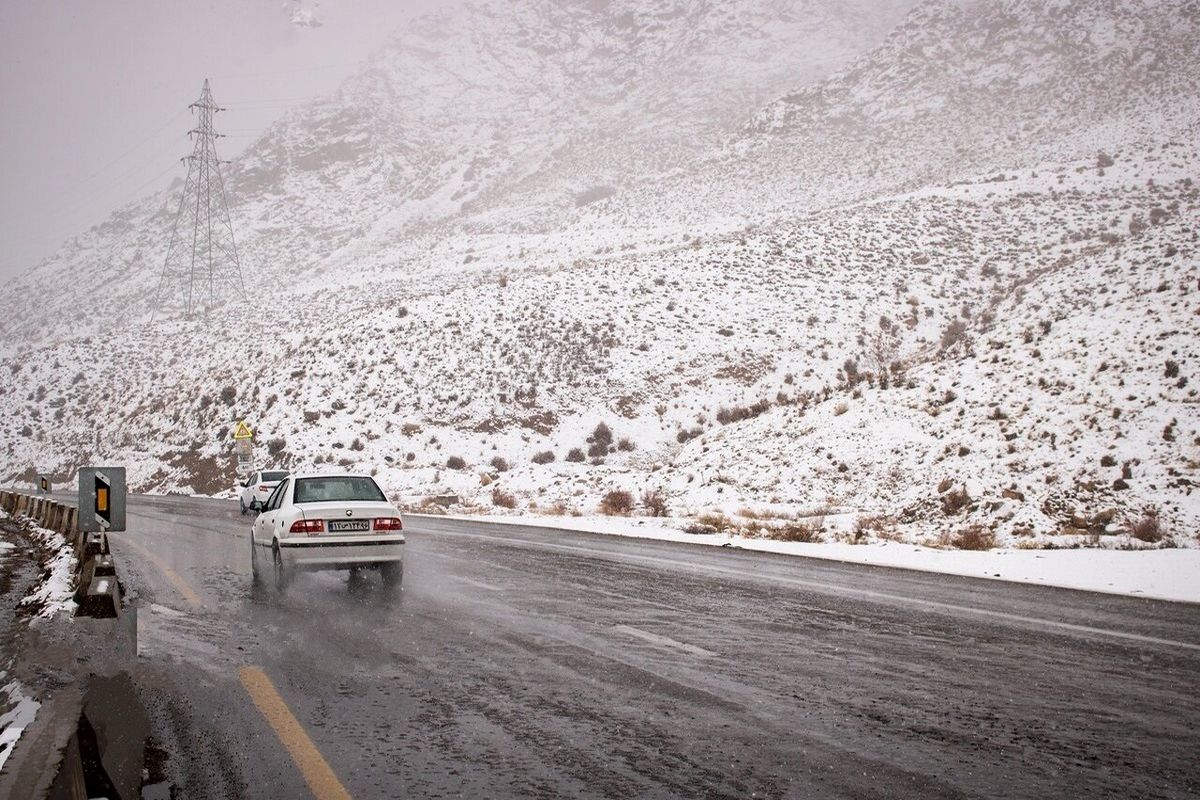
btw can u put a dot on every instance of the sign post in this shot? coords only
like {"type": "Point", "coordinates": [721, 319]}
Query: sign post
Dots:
{"type": "Point", "coordinates": [101, 499]}
{"type": "Point", "coordinates": [243, 447]}
{"type": "Point", "coordinates": [43, 484]}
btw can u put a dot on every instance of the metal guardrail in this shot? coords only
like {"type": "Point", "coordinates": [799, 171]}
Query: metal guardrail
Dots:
{"type": "Point", "coordinates": [101, 754]}
{"type": "Point", "coordinates": [97, 592]}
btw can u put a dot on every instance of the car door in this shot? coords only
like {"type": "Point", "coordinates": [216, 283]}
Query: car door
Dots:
{"type": "Point", "coordinates": [274, 526]}
{"type": "Point", "coordinates": [265, 522]}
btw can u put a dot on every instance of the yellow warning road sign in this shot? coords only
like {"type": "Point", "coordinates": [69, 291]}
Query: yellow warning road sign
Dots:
{"type": "Point", "coordinates": [243, 431]}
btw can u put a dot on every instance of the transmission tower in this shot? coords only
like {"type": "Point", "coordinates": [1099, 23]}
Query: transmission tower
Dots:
{"type": "Point", "coordinates": [202, 262]}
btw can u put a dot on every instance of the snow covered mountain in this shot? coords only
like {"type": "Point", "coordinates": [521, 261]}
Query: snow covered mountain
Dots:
{"type": "Point", "coordinates": [948, 285]}
{"type": "Point", "coordinates": [489, 115]}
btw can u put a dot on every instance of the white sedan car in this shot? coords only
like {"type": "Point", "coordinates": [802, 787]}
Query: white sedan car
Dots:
{"type": "Point", "coordinates": [254, 491]}
{"type": "Point", "coordinates": [325, 522]}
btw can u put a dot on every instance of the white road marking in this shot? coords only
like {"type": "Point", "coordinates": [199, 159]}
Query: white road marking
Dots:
{"type": "Point", "coordinates": [835, 588]}
{"type": "Point", "coordinates": [663, 641]}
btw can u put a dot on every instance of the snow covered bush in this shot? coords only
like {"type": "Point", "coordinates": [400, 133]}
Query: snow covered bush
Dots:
{"type": "Point", "coordinates": [655, 503]}
{"type": "Point", "coordinates": [503, 499]}
{"type": "Point", "coordinates": [974, 537]}
{"type": "Point", "coordinates": [617, 501]}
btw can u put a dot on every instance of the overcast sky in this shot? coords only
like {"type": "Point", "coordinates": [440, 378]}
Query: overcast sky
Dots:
{"type": "Point", "coordinates": [95, 93]}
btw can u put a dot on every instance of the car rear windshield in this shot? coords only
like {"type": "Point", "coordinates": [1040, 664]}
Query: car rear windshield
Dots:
{"type": "Point", "coordinates": [336, 489]}
{"type": "Point", "coordinates": [275, 477]}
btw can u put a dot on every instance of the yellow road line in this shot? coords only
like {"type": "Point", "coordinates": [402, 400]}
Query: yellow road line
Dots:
{"type": "Point", "coordinates": [181, 586]}
{"type": "Point", "coordinates": [317, 774]}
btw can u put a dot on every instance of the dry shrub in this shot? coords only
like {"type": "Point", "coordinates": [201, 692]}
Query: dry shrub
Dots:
{"type": "Point", "coordinates": [868, 524]}
{"type": "Point", "coordinates": [499, 464]}
{"type": "Point", "coordinates": [975, 537]}
{"type": "Point", "coordinates": [503, 499]}
{"type": "Point", "coordinates": [456, 462]}
{"type": "Point", "coordinates": [954, 333]}
{"type": "Point", "coordinates": [618, 501]}
{"type": "Point", "coordinates": [602, 435]}
{"type": "Point", "coordinates": [752, 513]}
{"type": "Point", "coordinates": [955, 500]}
{"type": "Point", "coordinates": [576, 456]}
{"type": "Point", "coordinates": [711, 522]}
{"type": "Point", "coordinates": [808, 532]}
{"type": "Point", "coordinates": [1148, 529]}
{"type": "Point", "coordinates": [738, 413]}
{"type": "Point", "coordinates": [655, 503]}
{"type": "Point", "coordinates": [544, 457]}
{"type": "Point", "coordinates": [816, 512]}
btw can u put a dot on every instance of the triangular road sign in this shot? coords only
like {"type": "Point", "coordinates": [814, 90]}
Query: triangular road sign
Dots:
{"type": "Point", "coordinates": [243, 431]}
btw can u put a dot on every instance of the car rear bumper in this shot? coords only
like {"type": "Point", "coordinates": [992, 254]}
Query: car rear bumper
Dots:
{"type": "Point", "coordinates": [316, 553]}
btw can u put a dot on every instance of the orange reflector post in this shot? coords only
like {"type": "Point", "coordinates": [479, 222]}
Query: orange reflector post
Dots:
{"type": "Point", "coordinates": [101, 499]}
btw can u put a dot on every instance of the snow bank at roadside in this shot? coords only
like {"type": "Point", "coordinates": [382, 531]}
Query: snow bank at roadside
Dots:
{"type": "Point", "coordinates": [1167, 574]}
{"type": "Point", "coordinates": [20, 709]}
{"type": "Point", "coordinates": [54, 593]}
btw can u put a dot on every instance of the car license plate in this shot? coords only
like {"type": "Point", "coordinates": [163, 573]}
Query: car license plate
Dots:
{"type": "Point", "coordinates": [344, 525]}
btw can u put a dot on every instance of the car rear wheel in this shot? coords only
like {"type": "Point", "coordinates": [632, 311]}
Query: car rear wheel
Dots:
{"type": "Point", "coordinates": [243, 506]}
{"type": "Point", "coordinates": [392, 573]}
{"type": "Point", "coordinates": [254, 572]}
{"type": "Point", "coordinates": [282, 576]}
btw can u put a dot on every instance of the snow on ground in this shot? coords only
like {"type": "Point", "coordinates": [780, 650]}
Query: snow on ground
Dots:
{"type": "Point", "coordinates": [54, 593]}
{"type": "Point", "coordinates": [19, 714]}
{"type": "Point", "coordinates": [1160, 574]}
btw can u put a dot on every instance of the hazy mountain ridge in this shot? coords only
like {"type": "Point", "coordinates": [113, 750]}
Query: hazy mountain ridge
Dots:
{"type": "Point", "coordinates": [509, 110]}
{"type": "Point", "coordinates": [959, 88]}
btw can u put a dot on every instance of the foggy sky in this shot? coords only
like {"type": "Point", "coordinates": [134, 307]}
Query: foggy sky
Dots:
{"type": "Point", "coordinates": [95, 93]}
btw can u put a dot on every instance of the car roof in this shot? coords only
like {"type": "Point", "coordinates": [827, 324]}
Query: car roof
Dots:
{"type": "Point", "coordinates": [329, 475]}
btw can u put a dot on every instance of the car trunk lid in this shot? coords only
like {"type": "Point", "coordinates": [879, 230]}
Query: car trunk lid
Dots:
{"type": "Point", "coordinates": [355, 517]}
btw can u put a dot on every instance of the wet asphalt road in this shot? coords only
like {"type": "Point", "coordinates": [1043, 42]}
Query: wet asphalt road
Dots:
{"type": "Point", "coordinates": [524, 663]}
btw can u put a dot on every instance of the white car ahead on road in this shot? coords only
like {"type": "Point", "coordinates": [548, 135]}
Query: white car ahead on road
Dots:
{"type": "Point", "coordinates": [325, 522]}
{"type": "Point", "coordinates": [254, 491]}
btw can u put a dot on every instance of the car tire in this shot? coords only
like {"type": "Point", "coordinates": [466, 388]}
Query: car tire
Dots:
{"type": "Point", "coordinates": [243, 506]}
{"type": "Point", "coordinates": [392, 574]}
{"type": "Point", "coordinates": [255, 574]}
{"type": "Point", "coordinates": [282, 574]}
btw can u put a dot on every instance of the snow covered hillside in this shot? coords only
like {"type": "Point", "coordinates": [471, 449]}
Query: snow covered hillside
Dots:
{"type": "Point", "coordinates": [950, 289]}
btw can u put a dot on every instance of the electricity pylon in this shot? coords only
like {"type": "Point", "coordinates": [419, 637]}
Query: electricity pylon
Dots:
{"type": "Point", "coordinates": [202, 262]}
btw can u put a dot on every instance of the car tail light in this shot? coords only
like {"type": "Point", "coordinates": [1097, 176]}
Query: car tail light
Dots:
{"type": "Point", "coordinates": [388, 524]}
{"type": "Point", "coordinates": [262, 487]}
{"type": "Point", "coordinates": [308, 526]}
